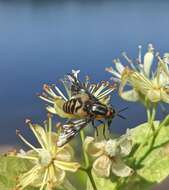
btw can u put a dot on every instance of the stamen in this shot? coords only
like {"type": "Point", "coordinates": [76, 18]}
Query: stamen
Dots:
{"type": "Point", "coordinates": [49, 91]}
{"type": "Point", "coordinates": [32, 127]}
{"type": "Point", "coordinates": [28, 178]}
{"type": "Point", "coordinates": [44, 94]}
{"type": "Point", "coordinates": [118, 65]}
{"type": "Point", "coordinates": [117, 80]}
{"type": "Point", "coordinates": [146, 81]}
{"type": "Point", "coordinates": [139, 53]}
{"type": "Point", "coordinates": [90, 87]}
{"type": "Point", "coordinates": [93, 88]}
{"type": "Point", "coordinates": [26, 157]}
{"type": "Point", "coordinates": [99, 90]}
{"type": "Point", "coordinates": [66, 86]}
{"type": "Point", "coordinates": [46, 126]}
{"type": "Point", "coordinates": [51, 109]}
{"type": "Point", "coordinates": [113, 72]}
{"type": "Point", "coordinates": [26, 142]}
{"type": "Point", "coordinates": [101, 94]}
{"type": "Point", "coordinates": [50, 130]}
{"type": "Point", "coordinates": [105, 93]}
{"type": "Point", "coordinates": [87, 81]}
{"type": "Point", "coordinates": [60, 93]}
{"type": "Point", "coordinates": [162, 63]}
{"type": "Point", "coordinates": [52, 93]}
{"type": "Point", "coordinates": [150, 48]}
{"type": "Point", "coordinates": [44, 180]}
{"type": "Point", "coordinates": [46, 99]}
{"type": "Point", "coordinates": [98, 85]}
{"type": "Point", "coordinates": [124, 54]}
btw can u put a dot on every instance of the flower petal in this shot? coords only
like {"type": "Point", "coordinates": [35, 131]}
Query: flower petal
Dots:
{"type": "Point", "coordinates": [166, 58]}
{"type": "Point", "coordinates": [163, 79]}
{"type": "Point", "coordinates": [112, 148]}
{"type": "Point", "coordinates": [56, 176]}
{"type": "Point", "coordinates": [165, 96]}
{"type": "Point", "coordinates": [68, 166]}
{"type": "Point", "coordinates": [28, 177]}
{"type": "Point", "coordinates": [40, 134]}
{"type": "Point", "coordinates": [64, 154]}
{"type": "Point", "coordinates": [120, 68]}
{"type": "Point", "coordinates": [130, 95]}
{"type": "Point", "coordinates": [105, 100]}
{"type": "Point", "coordinates": [119, 168]}
{"type": "Point", "coordinates": [101, 166]}
{"type": "Point", "coordinates": [113, 72]}
{"type": "Point", "coordinates": [125, 144]}
{"type": "Point", "coordinates": [38, 181]}
{"type": "Point", "coordinates": [51, 109]}
{"type": "Point", "coordinates": [94, 149]}
{"type": "Point", "coordinates": [154, 95]}
{"type": "Point", "coordinates": [148, 60]}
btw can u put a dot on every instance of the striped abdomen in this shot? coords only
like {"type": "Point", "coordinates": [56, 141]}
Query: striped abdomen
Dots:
{"type": "Point", "coordinates": [73, 106]}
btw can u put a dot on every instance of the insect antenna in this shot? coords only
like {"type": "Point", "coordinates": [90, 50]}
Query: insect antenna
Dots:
{"type": "Point", "coordinates": [121, 116]}
{"type": "Point", "coordinates": [122, 109]}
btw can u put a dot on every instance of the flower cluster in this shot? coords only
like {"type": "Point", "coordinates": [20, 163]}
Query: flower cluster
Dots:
{"type": "Point", "coordinates": [104, 157]}
{"type": "Point", "coordinates": [145, 82]}
{"type": "Point", "coordinates": [108, 155]}
{"type": "Point", "coordinates": [85, 103]}
{"type": "Point", "coordinates": [49, 162]}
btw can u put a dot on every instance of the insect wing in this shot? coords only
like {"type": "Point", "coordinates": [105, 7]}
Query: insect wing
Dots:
{"type": "Point", "coordinates": [70, 130]}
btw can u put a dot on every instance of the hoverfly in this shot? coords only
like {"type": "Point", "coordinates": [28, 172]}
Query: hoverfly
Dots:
{"type": "Point", "coordinates": [87, 103]}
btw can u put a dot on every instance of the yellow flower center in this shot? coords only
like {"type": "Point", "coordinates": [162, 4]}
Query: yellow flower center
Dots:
{"type": "Point", "coordinates": [111, 148]}
{"type": "Point", "coordinates": [45, 158]}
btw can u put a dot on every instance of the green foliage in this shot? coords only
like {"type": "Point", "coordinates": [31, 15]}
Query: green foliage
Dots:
{"type": "Point", "coordinates": [154, 167]}
{"type": "Point", "coordinates": [102, 183]}
{"type": "Point", "coordinates": [10, 168]}
{"type": "Point", "coordinates": [149, 160]}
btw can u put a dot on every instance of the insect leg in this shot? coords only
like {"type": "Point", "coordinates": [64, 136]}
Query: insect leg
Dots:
{"type": "Point", "coordinates": [104, 128]}
{"type": "Point", "coordinates": [95, 127]}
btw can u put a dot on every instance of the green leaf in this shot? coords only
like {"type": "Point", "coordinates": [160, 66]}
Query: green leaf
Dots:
{"type": "Point", "coordinates": [10, 168]}
{"type": "Point", "coordinates": [102, 183]}
{"type": "Point", "coordinates": [135, 182]}
{"type": "Point", "coordinates": [154, 167]}
{"type": "Point", "coordinates": [67, 185]}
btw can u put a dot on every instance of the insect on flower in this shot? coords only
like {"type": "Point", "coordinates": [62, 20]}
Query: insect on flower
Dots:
{"type": "Point", "coordinates": [85, 103]}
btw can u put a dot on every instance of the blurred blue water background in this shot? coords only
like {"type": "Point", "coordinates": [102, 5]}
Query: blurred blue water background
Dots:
{"type": "Point", "coordinates": [40, 41]}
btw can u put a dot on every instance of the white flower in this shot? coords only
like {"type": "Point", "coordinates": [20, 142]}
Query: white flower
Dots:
{"type": "Point", "coordinates": [144, 83]}
{"type": "Point", "coordinates": [49, 163]}
{"type": "Point", "coordinates": [108, 155]}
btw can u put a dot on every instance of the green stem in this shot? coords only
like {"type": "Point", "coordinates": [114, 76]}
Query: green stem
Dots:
{"type": "Point", "coordinates": [89, 173]}
{"type": "Point", "coordinates": [84, 152]}
{"type": "Point", "coordinates": [153, 113]}
{"type": "Point", "coordinates": [150, 120]}
{"type": "Point", "coordinates": [148, 115]}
